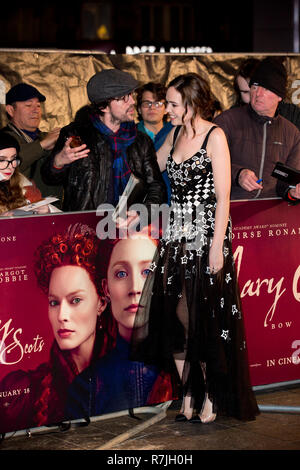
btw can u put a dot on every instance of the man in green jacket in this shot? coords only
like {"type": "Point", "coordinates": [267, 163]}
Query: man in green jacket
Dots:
{"type": "Point", "coordinates": [24, 111]}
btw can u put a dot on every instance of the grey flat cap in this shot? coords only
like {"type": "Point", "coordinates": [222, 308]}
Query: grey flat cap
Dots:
{"type": "Point", "coordinates": [110, 83]}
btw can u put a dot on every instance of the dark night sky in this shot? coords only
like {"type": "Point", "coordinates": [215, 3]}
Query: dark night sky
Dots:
{"type": "Point", "coordinates": [38, 25]}
{"type": "Point", "coordinates": [225, 27]}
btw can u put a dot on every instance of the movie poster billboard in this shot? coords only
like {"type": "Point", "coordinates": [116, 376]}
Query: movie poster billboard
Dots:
{"type": "Point", "coordinates": [64, 344]}
{"type": "Point", "coordinates": [54, 368]}
{"type": "Point", "coordinates": [266, 241]}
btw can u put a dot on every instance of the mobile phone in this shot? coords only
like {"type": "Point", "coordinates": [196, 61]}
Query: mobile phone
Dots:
{"type": "Point", "coordinates": [76, 141]}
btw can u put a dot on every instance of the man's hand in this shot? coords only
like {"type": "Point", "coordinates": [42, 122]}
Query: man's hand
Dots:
{"type": "Point", "coordinates": [247, 180]}
{"type": "Point", "coordinates": [132, 217]}
{"type": "Point", "coordinates": [49, 141]}
{"type": "Point", "coordinates": [295, 192]}
{"type": "Point", "coordinates": [69, 155]}
{"type": "Point", "coordinates": [42, 209]}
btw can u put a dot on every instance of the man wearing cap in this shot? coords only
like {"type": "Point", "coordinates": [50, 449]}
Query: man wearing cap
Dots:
{"type": "Point", "coordinates": [96, 154]}
{"type": "Point", "coordinates": [23, 107]}
{"type": "Point", "coordinates": [258, 137]}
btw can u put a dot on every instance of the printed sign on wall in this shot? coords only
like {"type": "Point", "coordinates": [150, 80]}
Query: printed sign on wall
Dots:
{"type": "Point", "coordinates": [266, 240]}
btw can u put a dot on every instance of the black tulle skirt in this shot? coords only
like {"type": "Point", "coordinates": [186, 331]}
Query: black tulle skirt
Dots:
{"type": "Point", "coordinates": [188, 313]}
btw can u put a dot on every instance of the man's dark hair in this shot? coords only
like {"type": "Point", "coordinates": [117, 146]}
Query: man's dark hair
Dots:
{"type": "Point", "coordinates": [158, 90]}
{"type": "Point", "coordinates": [97, 107]}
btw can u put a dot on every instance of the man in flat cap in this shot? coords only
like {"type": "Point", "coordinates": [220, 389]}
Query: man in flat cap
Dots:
{"type": "Point", "coordinates": [96, 154]}
{"type": "Point", "coordinates": [259, 137]}
{"type": "Point", "coordinates": [23, 107]}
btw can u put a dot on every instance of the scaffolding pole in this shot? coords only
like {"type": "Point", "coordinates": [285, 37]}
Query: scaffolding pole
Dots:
{"type": "Point", "coordinates": [277, 408]}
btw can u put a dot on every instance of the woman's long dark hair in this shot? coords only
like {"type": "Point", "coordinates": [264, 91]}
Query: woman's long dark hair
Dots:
{"type": "Point", "coordinates": [195, 93]}
{"type": "Point", "coordinates": [11, 193]}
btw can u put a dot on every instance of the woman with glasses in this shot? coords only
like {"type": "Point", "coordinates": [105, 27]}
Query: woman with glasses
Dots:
{"type": "Point", "coordinates": [15, 189]}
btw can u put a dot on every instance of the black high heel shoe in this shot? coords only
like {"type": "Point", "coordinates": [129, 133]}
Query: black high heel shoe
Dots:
{"type": "Point", "coordinates": [195, 419]}
{"type": "Point", "coordinates": [181, 418]}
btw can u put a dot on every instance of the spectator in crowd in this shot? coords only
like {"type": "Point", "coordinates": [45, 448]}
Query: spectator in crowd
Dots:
{"type": "Point", "coordinates": [15, 189]}
{"type": "Point", "coordinates": [259, 137]}
{"type": "Point", "coordinates": [151, 107]}
{"type": "Point", "coordinates": [96, 154]}
{"type": "Point", "coordinates": [241, 86]}
{"type": "Point", "coordinates": [242, 79]}
{"type": "Point", "coordinates": [24, 111]}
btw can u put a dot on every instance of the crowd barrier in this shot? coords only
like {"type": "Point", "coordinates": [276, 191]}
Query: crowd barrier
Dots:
{"type": "Point", "coordinates": [266, 235]}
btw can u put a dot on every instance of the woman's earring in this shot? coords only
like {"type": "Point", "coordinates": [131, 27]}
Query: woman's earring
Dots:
{"type": "Point", "coordinates": [99, 322]}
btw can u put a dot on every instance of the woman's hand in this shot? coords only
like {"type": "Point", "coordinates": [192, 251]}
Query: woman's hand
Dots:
{"type": "Point", "coordinates": [70, 154]}
{"type": "Point", "coordinates": [216, 259]}
{"type": "Point", "coordinates": [7, 214]}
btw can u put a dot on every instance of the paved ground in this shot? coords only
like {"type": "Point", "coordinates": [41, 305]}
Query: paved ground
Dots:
{"type": "Point", "coordinates": [271, 431]}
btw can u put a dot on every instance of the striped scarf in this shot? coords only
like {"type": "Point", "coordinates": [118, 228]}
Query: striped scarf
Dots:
{"type": "Point", "coordinates": [118, 141]}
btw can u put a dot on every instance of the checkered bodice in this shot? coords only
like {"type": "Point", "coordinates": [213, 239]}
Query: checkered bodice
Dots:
{"type": "Point", "coordinates": [193, 200]}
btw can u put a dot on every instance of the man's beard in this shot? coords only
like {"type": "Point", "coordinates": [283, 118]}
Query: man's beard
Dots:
{"type": "Point", "coordinates": [115, 120]}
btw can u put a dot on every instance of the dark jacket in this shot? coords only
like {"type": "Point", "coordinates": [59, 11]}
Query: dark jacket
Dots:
{"type": "Point", "coordinates": [88, 181]}
{"type": "Point", "coordinates": [111, 384]}
{"type": "Point", "coordinates": [290, 111]}
{"type": "Point", "coordinates": [158, 141]}
{"type": "Point", "coordinates": [37, 397]}
{"type": "Point", "coordinates": [257, 143]}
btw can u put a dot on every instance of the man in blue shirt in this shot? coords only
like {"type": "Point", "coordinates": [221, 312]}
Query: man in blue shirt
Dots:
{"type": "Point", "coordinates": [151, 107]}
